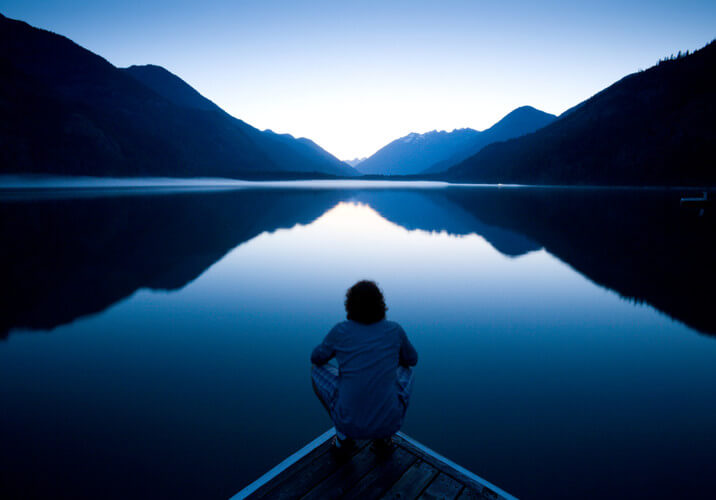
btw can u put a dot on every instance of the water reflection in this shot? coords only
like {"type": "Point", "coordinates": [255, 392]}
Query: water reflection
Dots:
{"type": "Point", "coordinates": [210, 303]}
{"type": "Point", "coordinates": [66, 258]}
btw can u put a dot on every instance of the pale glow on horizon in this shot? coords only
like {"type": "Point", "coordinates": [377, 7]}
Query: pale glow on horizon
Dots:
{"type": "Point", "coordinates": [355, 76]}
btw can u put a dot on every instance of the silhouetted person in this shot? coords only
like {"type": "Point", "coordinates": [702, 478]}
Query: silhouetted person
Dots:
{"type": "Point", "coordinates": [367, 395]}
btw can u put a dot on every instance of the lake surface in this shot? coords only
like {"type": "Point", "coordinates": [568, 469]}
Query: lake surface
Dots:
{"type": "Point", "coordinates": [156, 344]}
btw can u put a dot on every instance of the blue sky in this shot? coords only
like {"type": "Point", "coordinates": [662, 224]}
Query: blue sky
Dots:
{"type": "Point", "coordinates": [355, 75]}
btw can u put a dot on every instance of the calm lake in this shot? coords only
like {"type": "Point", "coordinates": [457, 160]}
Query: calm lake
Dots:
{"type": "Point", "coordinates": [156, 343]}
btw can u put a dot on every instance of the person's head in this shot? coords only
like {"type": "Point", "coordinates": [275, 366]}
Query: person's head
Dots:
{"type": "Point", "coordinates": [365, 303]}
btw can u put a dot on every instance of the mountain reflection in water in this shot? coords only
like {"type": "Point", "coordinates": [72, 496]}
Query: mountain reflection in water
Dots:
{"type": "Point", "coordinates": [182, 322]}
{"type": "Point", "coordinates": [66, 258]}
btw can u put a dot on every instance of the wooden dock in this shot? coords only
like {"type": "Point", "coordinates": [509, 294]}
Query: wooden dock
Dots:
{"type": "Point", "coordinates": [411, 471]}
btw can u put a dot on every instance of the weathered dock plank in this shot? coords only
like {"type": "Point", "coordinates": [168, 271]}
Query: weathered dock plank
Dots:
{"type": "Point", "coordinates": [383, 476]}
{"type": "Point", "coordinates": [413, 482]}
{"type": "Point", "coordinates": [412, 471]}
{"type": "Point", "coordinates": [299, 480]}
{"type": "Point", "coordinates": [468, 494]}
{"type": "Point", "coordinates": [447, 466]}
{"type": "Point", "coordinates": [443, 487]}
{"type": "Point", "coordinates": [295, 470]}
{"type": "Point", "coordinates": [340, 482]}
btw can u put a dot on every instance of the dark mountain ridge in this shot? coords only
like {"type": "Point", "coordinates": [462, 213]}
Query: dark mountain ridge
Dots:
{"type": "Point", "coordinates": [516, 123]}
{"type": "Point", "coordinates": [292, 154]}
{"type": "Point", "coordinates": [437, 151]}
{"type": "Point", "coordinates": [654, 127]}
{"type": "Point", "coordinates": [414, 152]}
{"type": "Point", "coordinates": [170, 86]}
{"type": "Point", "coordinates": [67, 111]}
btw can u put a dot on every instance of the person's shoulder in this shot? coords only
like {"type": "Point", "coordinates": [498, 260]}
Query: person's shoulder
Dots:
{"type": "Point", "coordinates": [341, 326]}
{"type": "Point", "coordinates": [392, 325]}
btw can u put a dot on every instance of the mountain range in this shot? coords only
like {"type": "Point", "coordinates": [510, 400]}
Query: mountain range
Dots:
{"type": "Point", "coordinates": [355, 161]}
{"type": "Point", "coordinates": [65, 110]}
{"type": "Point", "coordinates": [437, 151]}
{"type": "Point", "coordinates": [654, 127]}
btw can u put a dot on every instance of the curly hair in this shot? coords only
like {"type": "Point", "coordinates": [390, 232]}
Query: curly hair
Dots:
{"type": "Point", "coordinates": [365, 303]}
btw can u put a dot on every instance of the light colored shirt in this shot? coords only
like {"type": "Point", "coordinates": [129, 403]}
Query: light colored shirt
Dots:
{"type": "Point", "coordinates": [368, 357]}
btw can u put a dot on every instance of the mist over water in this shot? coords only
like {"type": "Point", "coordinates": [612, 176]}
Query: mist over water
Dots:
{"type": "Point", "coordinates": [159, 345]}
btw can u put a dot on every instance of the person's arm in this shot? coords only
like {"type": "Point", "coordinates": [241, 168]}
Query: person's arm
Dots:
{"type": "Point", "coordinates": [326, 350]}
{"type": "Point", "coordinates": [408, 354]}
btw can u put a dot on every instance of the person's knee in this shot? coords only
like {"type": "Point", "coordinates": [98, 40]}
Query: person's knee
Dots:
{"type": "Point", "coordinates": [314, 373]}
{"type": "Point", "coordinates": [404, 372]}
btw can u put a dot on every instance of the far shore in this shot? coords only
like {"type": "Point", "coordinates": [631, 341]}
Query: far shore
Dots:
{"type": "Point", "coordinates": [27, 183]}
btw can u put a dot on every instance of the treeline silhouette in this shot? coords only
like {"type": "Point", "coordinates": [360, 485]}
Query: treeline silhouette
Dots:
{"type": "Point", "coordinates": [654, 127]}
{"type": "Point", "coordinates": [67, 111]}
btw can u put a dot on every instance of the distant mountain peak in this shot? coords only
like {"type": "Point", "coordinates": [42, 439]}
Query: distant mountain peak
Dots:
{"type": "Point", "coordinates": [150, 67]}
{"type": "Point", "coordinates": [170, 86]}
{"type": "Point", "coordinates": [523, 109]}
{"type": "Point", "coordinates": [413, 136]}
{"type": "Point", "coordinates": [438, 150]}
{"type": "Point", "coordinates": [285, 134]}
{"type": "Point", "coordinates": [523, 113]}
{"type": "Point", "coordinates": [71, 112]}
{"type": "Point", "coordinates": [355, 161]}
{"type": "Point", "coordinates": [653, 127]}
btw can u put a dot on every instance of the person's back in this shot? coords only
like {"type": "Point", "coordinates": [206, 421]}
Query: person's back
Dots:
{"type": "Point", "coordinates": [368, 395]}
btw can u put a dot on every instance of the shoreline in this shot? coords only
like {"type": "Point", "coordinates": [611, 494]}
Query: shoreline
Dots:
{"type": "Point", "coordinates": [30, 183]}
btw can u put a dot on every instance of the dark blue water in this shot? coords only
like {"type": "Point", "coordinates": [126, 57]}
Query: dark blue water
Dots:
{"type": "Point", "coordinates": [158, 345]}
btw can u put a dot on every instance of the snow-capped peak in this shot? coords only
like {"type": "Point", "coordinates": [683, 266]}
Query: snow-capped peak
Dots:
{"type": "Point", "coordinates": [411, 137]}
